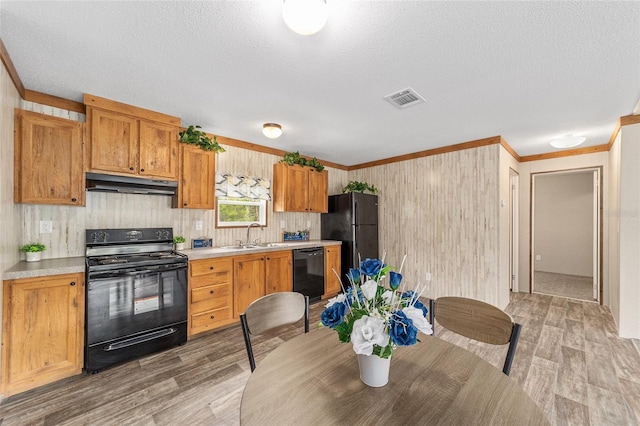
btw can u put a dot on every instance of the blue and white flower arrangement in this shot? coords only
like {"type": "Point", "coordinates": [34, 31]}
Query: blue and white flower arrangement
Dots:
{"type": "Point", "coordinates": [374, 318]}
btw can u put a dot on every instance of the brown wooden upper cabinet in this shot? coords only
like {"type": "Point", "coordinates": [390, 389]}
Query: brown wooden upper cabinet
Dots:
{"type": "Point", "coordinates": [196, 189]}
{"type": "Point", "coordinates": [128, 140]}
{"type": "Point", "coordinates": [48, 167]}
{"type": "Point", "coordinates": [299, 189]}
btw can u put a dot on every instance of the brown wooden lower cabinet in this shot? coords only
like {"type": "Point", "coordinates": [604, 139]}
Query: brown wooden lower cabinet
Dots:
{"type": "Point", "coordinates": [248, 280]}
{"type": "Point", "coordinates": [332, 263]}
{"type": "Point", "coordinates": [43, 331]}
{"type": "Point", "coordinates": [210, 295]}
{"type": "Point", "coordinates": [279, 271]}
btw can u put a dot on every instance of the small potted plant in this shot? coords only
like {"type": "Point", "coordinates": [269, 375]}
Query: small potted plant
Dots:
{"type": "Point", "coordinates": [179, 240]}
{"type": "Point", "coordinates": [33, 251]}
{"type": "Point", "coordinates": [193, 136]}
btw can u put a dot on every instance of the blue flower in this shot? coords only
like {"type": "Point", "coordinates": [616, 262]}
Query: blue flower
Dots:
{"type": "Point", "coordinates": [402, 330]}
{"type": "Point", "coordinates": [371, 267]}
{"type": "Point", "coordinates": [353, 295]}
{"type": "Point", "coordinates": [333, 315]}
{"type": "Point", "coordinates": [394, 280]}
{"type": "Point", "coordinates": [353, 275]}
{"type": "Point", "coordinates": [416, 302]}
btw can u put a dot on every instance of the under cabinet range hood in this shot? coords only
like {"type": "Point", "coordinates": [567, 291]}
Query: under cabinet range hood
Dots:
{"type": "Point", "coordinates": [130, 185]}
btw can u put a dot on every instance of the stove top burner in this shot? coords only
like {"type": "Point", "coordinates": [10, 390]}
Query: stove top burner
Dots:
{"type": "Point", "coordinates": [112, 260]}
{"type": "Point", "coordinates": [164, 255]}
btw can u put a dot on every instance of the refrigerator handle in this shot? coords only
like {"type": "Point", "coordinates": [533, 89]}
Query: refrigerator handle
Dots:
{"type": "Point", "coordinates": [355, 219]}
{"type": "Point", "coordinates": [355, 238]}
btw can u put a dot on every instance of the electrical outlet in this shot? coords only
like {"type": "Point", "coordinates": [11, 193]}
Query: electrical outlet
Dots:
{"type": "Point", "coordinates": [198, 225]}
{"type": "Point", "coordinates": [283, 224]}
{"type": "Point", "coordinates": [538, 257]}
{"type": "Point", "coordinates": [46, 227]}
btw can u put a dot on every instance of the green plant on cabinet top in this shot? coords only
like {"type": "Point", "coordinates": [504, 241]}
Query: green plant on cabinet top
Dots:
{"type": "Point", "coordinates": [192, 136]}
{"type": "Point", "coordinates": [293, 158]}
{"type": "Point", "coordinates": [355, 186]}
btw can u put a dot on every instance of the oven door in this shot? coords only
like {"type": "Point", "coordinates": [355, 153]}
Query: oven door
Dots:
{"type": "Point", "coordinates": [127, 302]}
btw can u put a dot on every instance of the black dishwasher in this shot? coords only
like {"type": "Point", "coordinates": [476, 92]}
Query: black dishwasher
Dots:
{"type": "Point", "coordinates": [308, 272]}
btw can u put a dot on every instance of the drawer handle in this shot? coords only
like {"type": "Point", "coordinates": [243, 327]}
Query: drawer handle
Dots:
{"type": "Point", "coordinates": [211, 267]}
{"type": "Point", "coordinates": [72, 283]}
{"type": "Point", "coordinates": [211, 291]}
{"type": "Point", "coordinates": [213, 316]}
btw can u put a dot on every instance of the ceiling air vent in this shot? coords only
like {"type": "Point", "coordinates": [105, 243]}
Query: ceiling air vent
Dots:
{"type": "Point", "coordinates": [405, 98]}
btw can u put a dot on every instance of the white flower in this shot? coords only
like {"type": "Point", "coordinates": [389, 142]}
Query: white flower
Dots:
{"type": "Point", "coordinates": [338, 299]}
{"type": "Point", "coordinates": [419, 321]}
{"type": "Point", "coordinates": [368, 331]}
{"type": "Point", "coordinates": [369, 289]}
{"type": "Point", "coordinates": [388, 297]}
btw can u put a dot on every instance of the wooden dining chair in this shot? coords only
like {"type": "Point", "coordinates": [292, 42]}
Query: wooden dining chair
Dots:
{"type": "Point", "coordinates": [479, 321]}
{"type": "Point", "coordinates": [270, 312]}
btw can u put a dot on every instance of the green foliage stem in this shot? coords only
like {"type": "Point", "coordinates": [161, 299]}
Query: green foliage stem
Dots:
{"type": "Point", "coordinates": [355, 186]}
{"type": "Point", "coordinates": [193, 136]}
{"type": "Point", "coordinates": [293, 158]}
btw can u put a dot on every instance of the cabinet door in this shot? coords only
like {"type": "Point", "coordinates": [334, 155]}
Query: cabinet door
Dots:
{"type": "Point", "coordinates": [198, 178]}
{"type": "Point", "coordinates": [279, 271]}
{"type": "Point", "coordinates": [248, 281]}
{"type": "Point", "coordinates": [43, 332]}
{"type": "Point", "coordinates": [114, 142]}
{"type": "Point", "coordinates": [331, 264]}
{"type": "Point", "coordinates": [158, 150]}
{"type": "Point", "coordinates": [49, 167]}
{"type": "Point", "coordinates": [318, 191]}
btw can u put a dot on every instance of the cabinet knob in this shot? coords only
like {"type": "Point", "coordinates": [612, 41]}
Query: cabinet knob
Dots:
{"type": "Point", "coordinates": [142, 170]}
{"type": "Point", "coordinates": [211, 291]}
{"type": "Point", "coordinates": [72, 283]}
{"type": "Point", "coordinates": [185, 204]}
{"type": "Point", "coordinates": [130, 168]}
{"type": "Point", "coordinates": [73, 200]}
{"type": "Point", "coordinates": [213, 316]}
{"type": "Point", "coordinates": [211, 267]}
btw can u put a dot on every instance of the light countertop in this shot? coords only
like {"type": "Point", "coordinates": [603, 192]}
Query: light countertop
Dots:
{"type": "Point", "coordinates": [70, 265]}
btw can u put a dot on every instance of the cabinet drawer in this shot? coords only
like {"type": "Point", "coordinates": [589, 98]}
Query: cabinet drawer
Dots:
{"type": "Point", "coordinates": [210, 319]}
{"type": "Point", "coordinates": [210, 272]}
{"type": "Point", "coordinates": [210, 297]}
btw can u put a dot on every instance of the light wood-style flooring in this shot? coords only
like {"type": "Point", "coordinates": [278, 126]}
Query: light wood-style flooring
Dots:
{"type": "Point", "coordinates": [569, 360]}
{"type": "Point", "coordinates": [572, 286]}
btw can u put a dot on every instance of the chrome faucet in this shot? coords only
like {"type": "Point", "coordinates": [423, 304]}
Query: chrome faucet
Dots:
{"type": "Point", "coordinates": [249, 230]}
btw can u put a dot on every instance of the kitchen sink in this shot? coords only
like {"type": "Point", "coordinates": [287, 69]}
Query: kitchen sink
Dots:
{"type": "Point", "coordinates": [248, 246]}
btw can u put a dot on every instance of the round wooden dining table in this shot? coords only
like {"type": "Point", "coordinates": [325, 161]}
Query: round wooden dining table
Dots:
{"type": "Point", "coordinates": [314, 379]}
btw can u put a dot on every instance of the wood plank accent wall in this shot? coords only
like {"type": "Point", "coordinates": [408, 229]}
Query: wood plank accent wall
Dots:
{"type": "Point", "coordinates": [106, 210]}
{"type": "Point", "coordinates": [9, 212]}
{"type": "Point", "coordinates": [442, 211]}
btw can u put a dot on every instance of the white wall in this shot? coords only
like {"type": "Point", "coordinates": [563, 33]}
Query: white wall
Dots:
{"type": "Point", "coordinates": [629, 237]}
{"type": "Point", "coordinates": [614, 229]}
{"type": "Point", "coordinates": [563, 223]}
{"type": "Point", "coordinates": [507, 163]}
{"type": "Point", "coordinates": [557, 164]}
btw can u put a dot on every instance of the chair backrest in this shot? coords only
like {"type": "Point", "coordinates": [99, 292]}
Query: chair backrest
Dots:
{"type": "Point", "coordinates": [272, 311]}
{"type": "Point", "coordinates": [479, 321]}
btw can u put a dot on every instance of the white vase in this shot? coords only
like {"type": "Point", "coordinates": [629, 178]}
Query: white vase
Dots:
{"type": "Point", "coordinates": [34, 256]}
{"type": "Point", "coordinates": [179, 246]}
{"type": "Point", "coordinates": [374, 371]}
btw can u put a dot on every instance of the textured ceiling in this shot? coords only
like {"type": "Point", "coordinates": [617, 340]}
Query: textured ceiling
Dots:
{"type": "Point", "coordinates": [529, 71]}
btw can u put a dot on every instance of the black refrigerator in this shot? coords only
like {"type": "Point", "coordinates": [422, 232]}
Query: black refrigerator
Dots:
{"type": "Point", "coordinates": [352, 219]}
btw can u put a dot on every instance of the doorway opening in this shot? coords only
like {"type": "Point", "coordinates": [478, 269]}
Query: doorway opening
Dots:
{"type": "Point", "coordinates": [566, 233]}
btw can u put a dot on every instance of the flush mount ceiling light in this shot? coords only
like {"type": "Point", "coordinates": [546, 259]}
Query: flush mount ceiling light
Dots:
{"type": "Point", "coordinates": [305, 17]}
{"type": "Point", "coordinates": [567, 141]}
{"type": "Point", "coordinates": [272, 130]}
